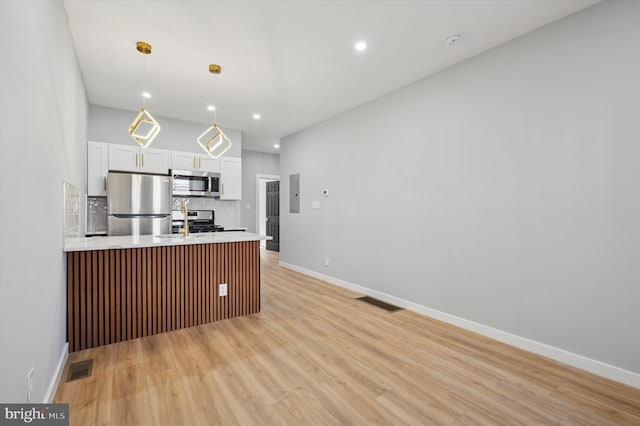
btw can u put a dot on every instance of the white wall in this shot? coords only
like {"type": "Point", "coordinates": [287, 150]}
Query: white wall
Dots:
{"type": "Point", "coordinates": [43, 143]}
{"type": "Point", "coordinates": [111, 125]}
{"type": "Point", "coordinates": [504, 190]}
{"type": "Point", "coordinates": [255, 163]}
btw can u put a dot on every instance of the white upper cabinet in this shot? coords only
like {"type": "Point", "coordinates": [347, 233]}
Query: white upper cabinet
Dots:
{"type": "Point", "coordinates": [97, 168]}
{"type": "Point", "coordinates": [124, 158]}
{"type": "Point", "coordinates": [183, 160]}
{"type": "Point", "coordinates": [154, 161]}
{"type": "Point", "coordinates": [208, 164]}
{"type": "Point", "coordinates": [103, 157]}
{"type": "Point", "coordinates": [128, 158]}
{"type": "Point", "coordinates": [230, 178]}
{"type": "Point", "coordinates": [194, 162]}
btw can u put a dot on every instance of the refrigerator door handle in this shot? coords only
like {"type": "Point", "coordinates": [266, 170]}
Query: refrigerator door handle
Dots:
{"type": "Point", "coordinates": [132, 216]}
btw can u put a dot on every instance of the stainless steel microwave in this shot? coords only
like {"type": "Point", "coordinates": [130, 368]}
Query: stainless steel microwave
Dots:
{"type": "Point", "coordinates": [188, 183]}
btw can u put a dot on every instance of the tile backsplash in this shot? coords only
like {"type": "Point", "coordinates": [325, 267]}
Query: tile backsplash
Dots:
{"type": "Point", "coordinates": [227, 213]}
{"type": "Point", "coordinates": [96, 215]}
{"type": "Point", "coordinates": [71, 210]}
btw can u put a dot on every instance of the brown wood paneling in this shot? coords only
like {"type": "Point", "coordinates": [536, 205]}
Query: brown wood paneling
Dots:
{"type": "Point", "coordinates": [76, 298]}
{"type": "Point", "coordinates": [150, 287]}
{"type": "Point", "coordinates": [112, 296]}
{"type": "Point", "coordinates": [83, 299]}
{"type": "Point", "coordinates": [135, 299]}
{"type": "Point", "coordinates": [127, 299]}
{"type": "Point", "coordinates": [101, 304]}
{"type": "Point", "coordinates": [218, 255]}
{"type": "Point", "coordinates": [168, 304]}
{"type": "Point", "coordinates": [158, 306]}
{"type": "Point", "coordinates": [192, 287]}
{"type": "Point", "coordinates": [179, 288]}
{"type": "Point", "coordinates": [105, 295]}
{"type": "Point", "coordinates": [118, 299]}
{"type": "Point", "coordinates": [197, 286]}
{"type": "Point", "coordinates": [142, 314]}
{"type": "Point", "coordinates": [92, 299]}
{"type": "Point", "coordinates": [122, 294]}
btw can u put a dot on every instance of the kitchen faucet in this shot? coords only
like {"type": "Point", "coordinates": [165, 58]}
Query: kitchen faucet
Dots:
{"type": "Point", "coordinates": [185, 211]}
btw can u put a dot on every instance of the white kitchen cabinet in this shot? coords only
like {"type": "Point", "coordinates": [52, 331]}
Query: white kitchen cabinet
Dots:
{"type": "Point", "coordinates": [208, 164]}
{"type": "Point", "coordinates": [128, 158]}
{"type": "Point", "coordinates": [194, 162]}
{"type": "Point", "coordinates": [124, 158]}
{"type": "Point", "coordinates": [230, 178]}
{"type": "Point", "coordinates": [183, 160]}
{"type": "Point", "coordinates": [154, 161]}
{"type": "Point", "coordinates": [97, 168]}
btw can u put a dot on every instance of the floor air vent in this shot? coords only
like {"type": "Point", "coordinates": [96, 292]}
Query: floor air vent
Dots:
{"type": "Point", "coordinates": [379, 303]}
{"type": "Point", "coordinates": [80, 370]}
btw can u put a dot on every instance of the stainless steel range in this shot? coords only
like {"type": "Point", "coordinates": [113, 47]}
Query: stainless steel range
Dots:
{"type": "Point", "coordinates": [199, 221]}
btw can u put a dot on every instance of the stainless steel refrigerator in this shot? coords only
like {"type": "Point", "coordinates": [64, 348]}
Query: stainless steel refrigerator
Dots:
{"type": "Point", "coordinates": [138, 204]}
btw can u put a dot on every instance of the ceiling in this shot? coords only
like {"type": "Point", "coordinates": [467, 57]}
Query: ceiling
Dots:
{"type": "Point", "coordinates": [293, 62]}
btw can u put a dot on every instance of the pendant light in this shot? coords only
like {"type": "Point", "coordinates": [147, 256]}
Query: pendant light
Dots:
{"type": "Point", "coordinates": [144, 127]}
{"type": "Point", "coordinates": [219, 143]}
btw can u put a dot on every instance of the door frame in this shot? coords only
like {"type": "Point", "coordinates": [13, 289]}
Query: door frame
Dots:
{"type": "Point", "coordinates": [260, 177]}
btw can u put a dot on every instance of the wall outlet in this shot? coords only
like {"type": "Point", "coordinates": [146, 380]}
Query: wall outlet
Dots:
{"type": "Point", "coordinates": [30, 384]}
{"type": "Point", "coordinates": [326, 261]}
{"type": "Point", "coordinates": [222, 289]}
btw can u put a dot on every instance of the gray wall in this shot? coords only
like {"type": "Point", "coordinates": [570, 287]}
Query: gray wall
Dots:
{"type": "Point", "coordinates": [43, 111]}
{"type": "Point", "coordinates": [504, 190]}
{"type": "Point", "coordinates": [255, 163]}
{"type": "Point", "coordinates": [111, 125]}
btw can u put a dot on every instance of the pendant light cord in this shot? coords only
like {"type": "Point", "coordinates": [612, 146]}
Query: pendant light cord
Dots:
{"type": "Point", "coordinates": [215, 109]}
{"type": "Point", "coordinates": [144, 74]}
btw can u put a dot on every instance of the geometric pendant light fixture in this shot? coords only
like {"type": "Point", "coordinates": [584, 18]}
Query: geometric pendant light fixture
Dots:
{"type": "Point", "coordinates": [213, 140]}
{"type": "Point", "coordinates": [144, 127]}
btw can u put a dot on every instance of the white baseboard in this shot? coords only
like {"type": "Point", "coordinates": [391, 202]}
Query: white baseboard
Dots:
{"type": "Point", "coordinates": [55, 380]}
{"type": "Point", "coordinates": [596, 367]}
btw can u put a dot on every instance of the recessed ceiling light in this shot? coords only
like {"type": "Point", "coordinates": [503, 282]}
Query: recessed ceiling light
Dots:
{"type": "Point", "coordinates": [360, 46]}
{"type": "Point", "coordinates": [211, 108]}
{"type": "Point", "coordinates": [146, 95]}
{"type": "Point", "coordinates": [276, 146]}
{"type": "Point", "coordinates": [256, 116]}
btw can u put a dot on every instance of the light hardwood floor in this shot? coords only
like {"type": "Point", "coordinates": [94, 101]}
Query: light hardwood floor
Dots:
{"type": "Point", "coordinates": [316, 356]}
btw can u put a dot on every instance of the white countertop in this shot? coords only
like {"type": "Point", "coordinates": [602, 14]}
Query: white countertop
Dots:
{"type": "Point", "coordinates": [137, 241]}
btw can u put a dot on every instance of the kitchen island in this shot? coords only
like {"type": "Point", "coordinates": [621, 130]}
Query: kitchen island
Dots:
{"type": "Point", "coordinates": [125, 287]}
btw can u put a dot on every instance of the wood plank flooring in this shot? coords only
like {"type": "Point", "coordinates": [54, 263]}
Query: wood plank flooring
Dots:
{"type": "Point", "coordinates": [316, 356]}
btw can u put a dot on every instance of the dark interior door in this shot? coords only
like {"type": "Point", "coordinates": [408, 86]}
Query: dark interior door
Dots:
{"type": "Point", "coordinates": [273, 215]}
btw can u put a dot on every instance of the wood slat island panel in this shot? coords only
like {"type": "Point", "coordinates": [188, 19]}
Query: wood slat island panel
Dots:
{"type": "Point", "coordinates": [122, 294]}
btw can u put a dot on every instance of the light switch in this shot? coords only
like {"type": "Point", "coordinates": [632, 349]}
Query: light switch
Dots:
{"type": "Point", "coordinates": [315, 204]}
